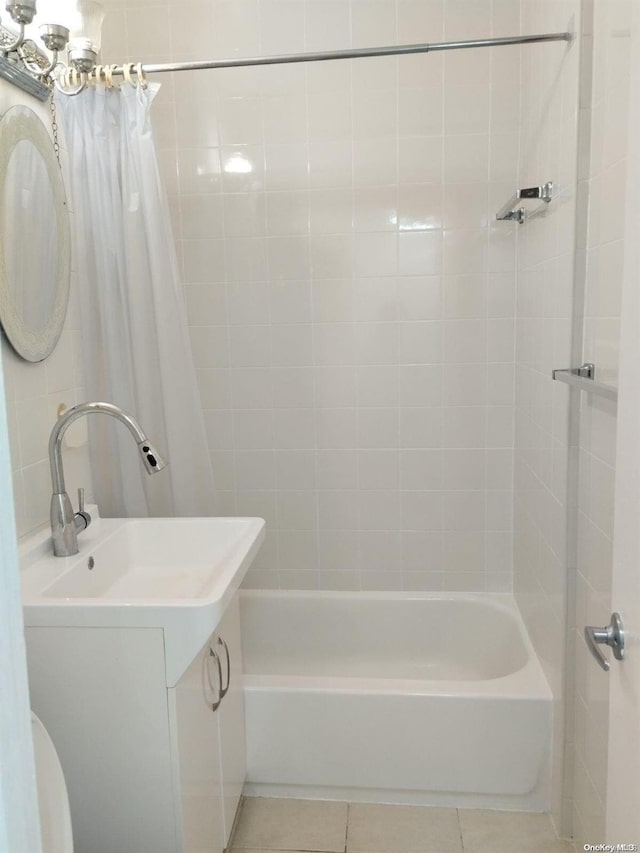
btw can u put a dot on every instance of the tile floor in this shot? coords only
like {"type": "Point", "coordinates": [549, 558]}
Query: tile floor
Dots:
{"type": "Point", "coordinates": [298, 826]}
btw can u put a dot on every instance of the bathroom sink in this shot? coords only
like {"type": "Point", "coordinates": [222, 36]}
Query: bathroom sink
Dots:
{"type": "Point", "coordinates": [155, 559]}
{"type": "Point", "coordinates": [174, 574]}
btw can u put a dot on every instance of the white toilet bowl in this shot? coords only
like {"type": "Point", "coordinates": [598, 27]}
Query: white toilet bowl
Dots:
{"type": "Point", "coordinates": [53, 801]}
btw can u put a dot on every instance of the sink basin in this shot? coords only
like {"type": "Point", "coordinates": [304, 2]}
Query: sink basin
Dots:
{"type": "Point", "coordinates": [174, 574]}
{"type": "Point", "coordinates": [154, 559]}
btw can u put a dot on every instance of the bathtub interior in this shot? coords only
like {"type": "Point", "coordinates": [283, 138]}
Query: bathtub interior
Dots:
{"type": "Point", "coordinates": [379, 635]}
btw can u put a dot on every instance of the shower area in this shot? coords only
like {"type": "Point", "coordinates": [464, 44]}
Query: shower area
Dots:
{"type": "Point", "coordinates": [374, 348]}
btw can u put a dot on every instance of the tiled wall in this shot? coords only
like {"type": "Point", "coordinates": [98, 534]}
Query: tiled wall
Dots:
{"type": "Point", "coordinates": [351, 306]}
{"type": "Point", "coordinates": [33, 394]}
{"type": "Point", "coordinates": [548, 151]}
{"type": "Point", "coordinates": [600, 251]}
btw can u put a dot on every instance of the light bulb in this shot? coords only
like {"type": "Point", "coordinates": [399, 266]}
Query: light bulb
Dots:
{"type": "Point", "coordinates": [86, 28]}
{"type": "Point", "coordinates": [63, 13]}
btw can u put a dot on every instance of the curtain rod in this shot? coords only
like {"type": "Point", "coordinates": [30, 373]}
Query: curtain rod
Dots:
{"type": "Point", "coordinates": [357, 53]}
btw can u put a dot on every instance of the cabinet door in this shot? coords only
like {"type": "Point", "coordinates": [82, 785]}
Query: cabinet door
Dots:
{"type": "Point", "coordinates": [101, 693]}
{"type": "Point", "coordinates": [231, 715]}
{"type": "Point", "coordinates": [197, 754]}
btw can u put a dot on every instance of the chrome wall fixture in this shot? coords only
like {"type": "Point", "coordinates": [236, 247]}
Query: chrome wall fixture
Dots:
{"type": "Point", "coordinates": [611, 635]}
{"type": "Point", "coordinates": [584, 378]}
{"type": "Point", "coordinates": [24, 64]}
{"type": "Point", "coordinates": [514, 211]}
{"type": "Point", "coordinates": [20, 61]}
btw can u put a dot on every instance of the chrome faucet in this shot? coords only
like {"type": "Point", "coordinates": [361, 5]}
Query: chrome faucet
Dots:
{"type": "Point", "coordinates": [65, 524]}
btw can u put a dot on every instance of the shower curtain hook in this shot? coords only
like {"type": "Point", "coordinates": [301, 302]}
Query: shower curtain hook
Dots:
{"type": "Point", "coordinates": [127, 68]}
{"type": "Point", "coordinates": [142, 77]}
{"type": "Point", "coordinates": [108, 73]}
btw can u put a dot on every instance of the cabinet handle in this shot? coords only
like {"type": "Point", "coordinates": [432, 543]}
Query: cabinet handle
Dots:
{"type": "Point", "coordinates": [207, 665]}
{"type": "Point", "coordinates": [224, 690]}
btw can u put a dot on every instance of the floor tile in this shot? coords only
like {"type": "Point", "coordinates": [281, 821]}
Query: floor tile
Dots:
{"type": "Point", "coordinates": [402, 829]}
{"type": "Point", "coordinates": [282, 824]}
{"type": "Point", "coordinates": [504, 832]}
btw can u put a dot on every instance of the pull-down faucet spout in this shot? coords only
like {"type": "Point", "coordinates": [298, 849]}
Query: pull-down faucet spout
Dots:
{"type": "Point", "coordinates": [65, 525]}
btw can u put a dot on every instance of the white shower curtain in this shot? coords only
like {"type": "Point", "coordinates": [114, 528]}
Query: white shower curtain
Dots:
{"type": "Point", "coordinates": [135, 340]}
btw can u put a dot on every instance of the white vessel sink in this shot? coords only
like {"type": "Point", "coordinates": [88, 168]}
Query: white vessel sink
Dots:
{"type": "Point", "coordinates": [176, 574]}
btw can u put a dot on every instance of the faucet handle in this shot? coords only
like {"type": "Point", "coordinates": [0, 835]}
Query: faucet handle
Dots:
{"type": "Point", "coordinates": [81, 519]}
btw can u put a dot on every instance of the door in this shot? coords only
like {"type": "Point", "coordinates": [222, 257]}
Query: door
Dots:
{"type": "Point", "coordinates": [623, 783]}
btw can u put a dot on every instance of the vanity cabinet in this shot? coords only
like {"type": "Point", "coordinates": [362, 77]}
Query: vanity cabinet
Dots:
{"type": "Point", "coordinates": [150, 768]}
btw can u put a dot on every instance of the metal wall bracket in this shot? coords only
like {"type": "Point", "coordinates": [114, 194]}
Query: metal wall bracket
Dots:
{"type": "Point", "coordinates": [587, 371]}
{"type": "Point", "coordinates": [512, 211]}
{"type": "Point", "coordinates": [583, 377]}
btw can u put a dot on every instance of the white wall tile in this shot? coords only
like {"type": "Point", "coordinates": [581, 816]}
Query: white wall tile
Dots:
{"type": "Point", "coordinates": [246, 304]}
{"type": "Point", "coordinates": [294, 429]}
{"type": "Point", "coordinates": [335, 387]}
{"type": "Point", "coordinates": [290, 302]}
{"type": "Point", "coordinates": [287, 213]}
{"type": "Point", "coordinates": [296, 469]}
{"type": "Point", "coordinates": [422, 551]}
{"type": "Point", "coordinates": [420, 427]}
{"type": "Point", "coordinates": [377, 427]}
{"type": "Point", "coordinates": [337, 428]}
{"type": "Point", "coordinates": [378, 469]}
{"type": "Point", "coordinates": [338, 510]}
{"type": "Point", "coordinates": [377, 385]}
{"type": "Point", "coordinates": [422, 511]}
{"type": "Point", "coordinates": [292, 387]}
{"type": "Point", "coordinates": [331, 210]}
{"type": "Point", "coordinates": [253, 430]}
{"type": "Point", "coordinates": [337, 469]}
{"type": "Point", "coordinates": [420, 385]}
{"type": "Point", "coordinates": [420, 468]}
{"type": "Point", "coordinates": [332, 255]}
{"type": "Point", "coordinates": [338, 549]}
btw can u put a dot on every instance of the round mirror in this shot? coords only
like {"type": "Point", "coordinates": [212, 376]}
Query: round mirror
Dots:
{"type": "Point", "coordinates": [34, 236]}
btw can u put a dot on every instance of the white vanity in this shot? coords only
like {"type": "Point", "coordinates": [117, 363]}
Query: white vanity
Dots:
{"type": "Point", "coordinates": [127, 647]}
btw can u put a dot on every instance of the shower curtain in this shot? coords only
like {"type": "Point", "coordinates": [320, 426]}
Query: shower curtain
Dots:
{"type": "Point", "coordinates": [136, 349]}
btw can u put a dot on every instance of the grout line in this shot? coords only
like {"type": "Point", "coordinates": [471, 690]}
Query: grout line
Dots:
{"type": "Point", "coordinates": [460, 830]}
{"type": "Point", "coordinates": [346, 829]}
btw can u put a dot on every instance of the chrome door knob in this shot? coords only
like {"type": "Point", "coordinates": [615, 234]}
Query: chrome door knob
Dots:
{"type": "Point", "coordinates": [611, 635]}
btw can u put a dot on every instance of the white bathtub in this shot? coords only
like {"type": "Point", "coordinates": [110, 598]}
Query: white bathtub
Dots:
{"type": "Point", "coordinates": [427, 698]}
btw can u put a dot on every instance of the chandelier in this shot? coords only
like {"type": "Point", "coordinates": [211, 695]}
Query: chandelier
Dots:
{"type": "Point", "coordinates": [74, 25]}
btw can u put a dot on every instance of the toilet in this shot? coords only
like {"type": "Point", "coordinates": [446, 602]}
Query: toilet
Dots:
{"type": "Point", "coordinates": [53, 801]}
